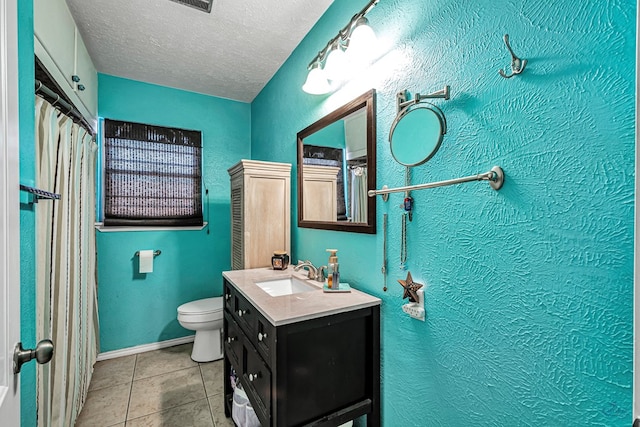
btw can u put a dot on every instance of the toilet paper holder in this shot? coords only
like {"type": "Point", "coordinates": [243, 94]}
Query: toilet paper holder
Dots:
{"type": "Point", "coordinates": [155, 253]}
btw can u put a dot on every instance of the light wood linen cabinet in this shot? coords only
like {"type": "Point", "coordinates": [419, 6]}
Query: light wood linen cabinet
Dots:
{"type": "Point", "coordinates": [260, 212]}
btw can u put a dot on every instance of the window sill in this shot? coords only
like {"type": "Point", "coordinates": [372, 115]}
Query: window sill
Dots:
{"type": "Point", "coordinates": [101, 228]}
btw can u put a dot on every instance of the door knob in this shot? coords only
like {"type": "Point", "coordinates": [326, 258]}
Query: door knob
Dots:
{"type": "Point", "coordinates": [42, 353]}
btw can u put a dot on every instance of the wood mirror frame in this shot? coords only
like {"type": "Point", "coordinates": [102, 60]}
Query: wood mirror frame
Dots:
{"type": "Point", "coordinates": [366, 102]}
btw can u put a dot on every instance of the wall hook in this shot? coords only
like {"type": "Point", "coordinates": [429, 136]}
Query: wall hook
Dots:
{"type": "Point", "coordinates": [517, 64]}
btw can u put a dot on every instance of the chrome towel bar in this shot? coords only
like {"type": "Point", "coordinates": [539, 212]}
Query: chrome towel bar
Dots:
{"type": "Point", "coordinates": [495, 177]}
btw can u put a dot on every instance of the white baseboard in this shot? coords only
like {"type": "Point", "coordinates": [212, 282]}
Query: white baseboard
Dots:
{"type": "Point", "coordinates": [143, 348]}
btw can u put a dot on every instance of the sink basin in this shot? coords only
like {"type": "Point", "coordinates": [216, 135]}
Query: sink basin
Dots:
{"type": "Point", "coordinates": [285, 286]}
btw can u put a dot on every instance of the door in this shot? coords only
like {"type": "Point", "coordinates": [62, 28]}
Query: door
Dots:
{"type": "Point", "coordinates": [9, 214]}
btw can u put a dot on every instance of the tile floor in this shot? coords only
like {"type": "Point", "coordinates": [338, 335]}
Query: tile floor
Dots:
{"type": "Point", "coordinates": [158, 388]}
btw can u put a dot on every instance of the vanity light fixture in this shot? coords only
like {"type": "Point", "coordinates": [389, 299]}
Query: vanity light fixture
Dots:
{"type": "Point", "coordinates": [353, 46]}
{"type": "Point", "coordinates": [316, 83]}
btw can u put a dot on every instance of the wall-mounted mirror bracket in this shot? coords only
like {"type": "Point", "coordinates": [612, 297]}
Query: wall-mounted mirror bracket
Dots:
{"type": "Point", "coordinates": [403, 101]}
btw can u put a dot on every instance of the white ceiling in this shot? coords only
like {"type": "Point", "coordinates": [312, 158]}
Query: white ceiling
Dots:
{"type": "Point", "coordinates": [230, 53]}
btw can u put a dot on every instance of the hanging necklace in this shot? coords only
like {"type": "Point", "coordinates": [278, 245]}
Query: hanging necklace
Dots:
{"type": "Point", "coordinates": [407, 206]}
{"type": "Point", "coordinates": [403, 242]}
{"type": "Point", "coordinates": [384, 251]}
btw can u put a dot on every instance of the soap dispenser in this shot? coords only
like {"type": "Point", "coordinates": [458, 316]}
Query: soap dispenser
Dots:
{"type": "Point", "coordinates": [333, 272]}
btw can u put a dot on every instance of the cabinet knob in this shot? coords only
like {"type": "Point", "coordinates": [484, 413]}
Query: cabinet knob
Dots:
{"type": "Point", "coordinates": [227, 297]}
{"type": "Point", "coordinates": [241, 312]}
{"type": "Point", "coordinates": [75, 78]}
{"type": "Point", "coordinates": [253, 377]}
{"type": "Point", "coordinates": [80, 87]}
{"type": "Point", "coordinates": [261, 336]}
{"type": "Point", "coordinates": [231, 339]}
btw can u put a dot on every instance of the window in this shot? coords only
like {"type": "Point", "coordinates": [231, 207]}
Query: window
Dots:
{"type": "Point", "coordinates": [153, 175]}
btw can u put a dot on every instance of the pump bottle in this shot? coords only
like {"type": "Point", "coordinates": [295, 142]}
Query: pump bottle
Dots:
{"type": "Point", "coordinates": [333, 272]}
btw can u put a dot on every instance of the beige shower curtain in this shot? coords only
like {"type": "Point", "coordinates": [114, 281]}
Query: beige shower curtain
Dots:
{"type": "Point", "coordinates": [65, 264]}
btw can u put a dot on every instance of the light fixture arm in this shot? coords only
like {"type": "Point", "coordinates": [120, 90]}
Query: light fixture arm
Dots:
{"type": "Point", "coordinates": [342, 36]}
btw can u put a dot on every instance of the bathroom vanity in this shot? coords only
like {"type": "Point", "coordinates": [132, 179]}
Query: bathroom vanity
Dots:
{"type": "Point", "coordinates": [303, 358]}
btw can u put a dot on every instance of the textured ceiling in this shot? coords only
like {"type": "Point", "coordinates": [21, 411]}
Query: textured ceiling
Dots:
{"type": "Point", "coordinates": [230, 53]}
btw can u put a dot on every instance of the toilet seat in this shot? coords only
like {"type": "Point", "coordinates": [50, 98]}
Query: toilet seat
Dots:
{"type": "Point", "coordinates": [202, 306]}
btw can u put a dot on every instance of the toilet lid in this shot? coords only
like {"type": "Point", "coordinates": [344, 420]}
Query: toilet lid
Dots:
{"type": "Point", "coordinates": [201, 306]}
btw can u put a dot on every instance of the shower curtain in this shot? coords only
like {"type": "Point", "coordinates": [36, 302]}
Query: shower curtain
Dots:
{"type": "Point", "coordinates": [359, 194]}
{"type": "Point", "coordinates": [65, 264]}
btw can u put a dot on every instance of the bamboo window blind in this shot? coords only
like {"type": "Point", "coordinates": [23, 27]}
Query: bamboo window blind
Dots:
{"type": "Point", "coordinates": [153, 175]}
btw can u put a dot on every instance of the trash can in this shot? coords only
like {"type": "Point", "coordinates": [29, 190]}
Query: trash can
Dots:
{"type": "Point", "coordinates": [242, 412]}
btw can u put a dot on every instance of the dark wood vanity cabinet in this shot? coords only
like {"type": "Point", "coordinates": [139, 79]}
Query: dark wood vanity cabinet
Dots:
{"type": "Point", "coordinates": [319, 372]}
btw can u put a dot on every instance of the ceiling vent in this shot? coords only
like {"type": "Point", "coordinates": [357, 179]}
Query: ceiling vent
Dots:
{"type": "Point", "coordinates": [203, 5]}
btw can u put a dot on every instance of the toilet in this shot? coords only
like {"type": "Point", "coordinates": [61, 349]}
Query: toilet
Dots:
{"type": "Point", "coordinates": [205, 317]}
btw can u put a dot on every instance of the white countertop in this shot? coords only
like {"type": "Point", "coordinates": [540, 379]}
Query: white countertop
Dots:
{"type": "Point", "coordinates": [285, 309]}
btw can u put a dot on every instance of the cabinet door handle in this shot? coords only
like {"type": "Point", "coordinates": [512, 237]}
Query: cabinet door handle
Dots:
{"type": "Point", "coordinates": [241, 312]}
{"type": "Point", "coordinates": [227, 297]}
{"type": "Point", "coordinates": [75, 78]}
{"type": "Point", "coordinates": [261, 336]}
{"type": "Point", "coordinates": [253, 377]}
{"type": "Point", "coordinates": [231, 339]}
{"type": "Point", "coordinates": [81, 87]}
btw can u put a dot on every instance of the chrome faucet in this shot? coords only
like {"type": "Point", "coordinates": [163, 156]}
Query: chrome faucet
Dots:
{"type": "Point", "coordinates": [316, 274]}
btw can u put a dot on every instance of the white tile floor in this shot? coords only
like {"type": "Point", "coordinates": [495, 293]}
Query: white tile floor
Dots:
{"type": "Point", "coordinates": [158, 388]}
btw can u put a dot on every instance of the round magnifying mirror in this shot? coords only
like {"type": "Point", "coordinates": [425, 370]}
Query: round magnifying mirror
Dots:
{"type": "Point", "coordinates": [416, 134]}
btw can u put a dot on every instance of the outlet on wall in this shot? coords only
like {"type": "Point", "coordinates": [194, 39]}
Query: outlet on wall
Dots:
{"type": "Point", "coordinates": [416, 309]}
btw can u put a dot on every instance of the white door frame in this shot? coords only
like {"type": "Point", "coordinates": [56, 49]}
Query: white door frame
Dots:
{"type": "Point", "coordinates": [9, 213]}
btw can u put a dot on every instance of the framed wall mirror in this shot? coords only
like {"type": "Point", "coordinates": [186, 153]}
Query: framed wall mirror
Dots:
{"type": "Point", "coordinates": [336, 168]}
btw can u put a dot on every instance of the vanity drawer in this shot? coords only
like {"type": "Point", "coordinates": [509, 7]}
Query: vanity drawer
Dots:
{"type": "Point", "coordinates": [228, 296]}
{"type": "Point", "coordinates": [257, 379]}
{"type": "Point", "coordinates": [264, 337]}
{"type": "Point", "coordinates": [233, 342]}
{"type": "Point", "coordinates": [244, 314]}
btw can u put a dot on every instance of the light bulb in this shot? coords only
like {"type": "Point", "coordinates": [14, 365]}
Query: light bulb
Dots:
{"type": "Point", "coordinates": [337, 66]}
{"type": "Point", "coordinates": [316, 83]}
{"type": "Point", "coordinates": [363, 42]}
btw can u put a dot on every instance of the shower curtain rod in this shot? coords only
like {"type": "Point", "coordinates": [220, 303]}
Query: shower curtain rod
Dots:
{"type": "Point", "coordinates": [58, 101]}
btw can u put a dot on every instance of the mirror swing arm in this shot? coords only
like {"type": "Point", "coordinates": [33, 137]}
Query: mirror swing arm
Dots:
{"type": "Point", "coordinates": [403, 101]}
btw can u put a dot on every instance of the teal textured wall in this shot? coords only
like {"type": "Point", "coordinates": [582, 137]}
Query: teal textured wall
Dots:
{"type": "Point", "coordinates": [330, 136]}
{"type": "Point", "coordinates": [26, 69]}
{"type": "Point", "coordinates": [191, 264]}
{"type": "Point", "coordinates": [529, 290]}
